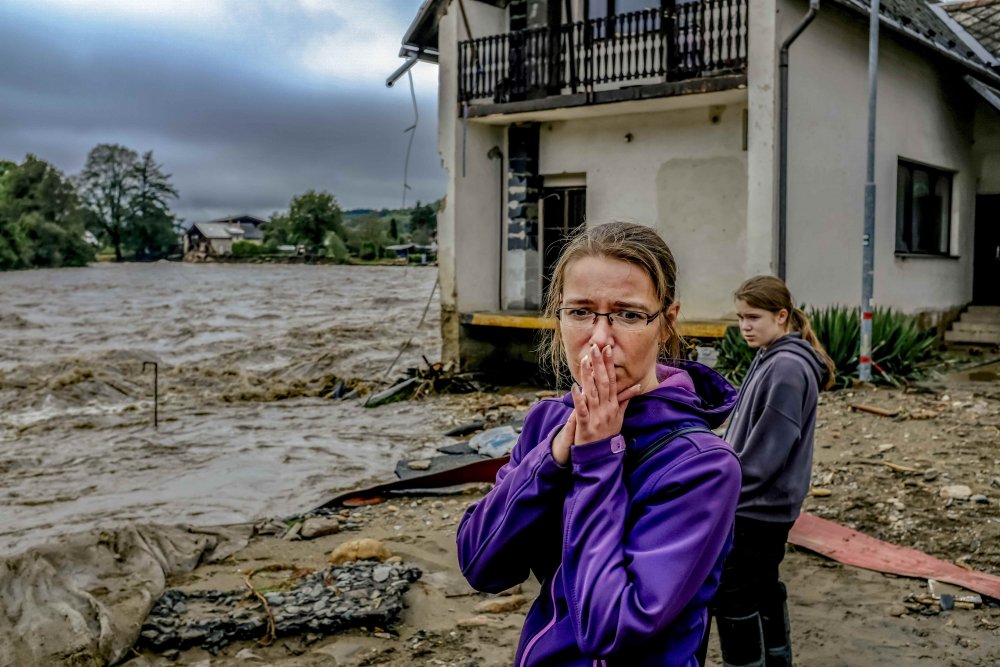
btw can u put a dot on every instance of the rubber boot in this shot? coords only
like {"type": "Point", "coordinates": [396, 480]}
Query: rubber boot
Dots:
{"type": "Point", "coordinates": [777, 631]}
{"type": "Point", "coordinates": [741, 640]}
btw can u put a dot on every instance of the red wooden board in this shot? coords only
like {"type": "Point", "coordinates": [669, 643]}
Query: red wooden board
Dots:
{"type": "Point", "coordinates": [850, 547]}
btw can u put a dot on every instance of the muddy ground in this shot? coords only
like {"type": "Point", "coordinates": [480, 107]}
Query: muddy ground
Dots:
{"type": "Point", "coordinates": [249, 359]}
{"type": "Point", "coordinates": [883, 475]}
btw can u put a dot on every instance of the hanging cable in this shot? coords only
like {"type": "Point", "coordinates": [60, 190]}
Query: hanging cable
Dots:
{"type": "Point", "coordinates": [413, 131]}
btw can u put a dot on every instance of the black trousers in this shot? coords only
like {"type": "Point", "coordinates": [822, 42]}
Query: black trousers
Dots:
{"type": "Point", "coordinates": [750, 576]}
{"type": "Point", "coordinates": [750, 585]}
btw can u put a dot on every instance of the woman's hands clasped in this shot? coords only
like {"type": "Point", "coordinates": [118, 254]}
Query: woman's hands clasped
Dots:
{"type": "Point", "coordinates": [598, 407]}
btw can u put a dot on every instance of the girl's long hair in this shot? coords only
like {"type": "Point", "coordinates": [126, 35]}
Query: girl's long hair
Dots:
{"type": "Point", "coordinates": [635, 244]}
{"type": "Point", "coordinates": [771, 294]}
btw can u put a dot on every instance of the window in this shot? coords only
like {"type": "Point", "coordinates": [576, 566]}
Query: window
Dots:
{"type": "Point", "coordinates": [603, 13]}
{"type": "Point", "coordinates": [923, 209]}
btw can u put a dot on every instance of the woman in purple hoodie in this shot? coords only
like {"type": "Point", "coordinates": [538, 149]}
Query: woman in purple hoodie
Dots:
{"type": "Point", "coordinates": [617, 496]}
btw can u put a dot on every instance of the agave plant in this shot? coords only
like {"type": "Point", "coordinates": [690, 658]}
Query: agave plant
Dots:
{"type": "Point", "coordinates": [735, 356]}
{"type": "Point", "coordinates": [900, 349]}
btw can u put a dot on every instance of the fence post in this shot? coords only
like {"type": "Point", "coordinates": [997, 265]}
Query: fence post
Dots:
{"type": "Point", "coordinates": [156, 390]}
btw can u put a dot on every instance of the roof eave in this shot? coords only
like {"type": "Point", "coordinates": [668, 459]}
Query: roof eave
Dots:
{"type": "Point", "coordinates": [902, 30]}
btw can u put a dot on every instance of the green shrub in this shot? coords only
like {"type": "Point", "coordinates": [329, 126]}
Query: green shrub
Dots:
{"type": "Point", "coordinates": [248, 249]}
{"type": "Point", "coordinates": [901, 351]}
{"type": "Point", "coordinates": [735, 356]}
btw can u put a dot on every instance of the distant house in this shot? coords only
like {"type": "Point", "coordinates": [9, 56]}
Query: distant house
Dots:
{"type": "Point", "coordinates": [211, 239]}
{"type": "Point", "coordinates": [253, 228]}
{"type": "Point", "coordinates": [407, 250]}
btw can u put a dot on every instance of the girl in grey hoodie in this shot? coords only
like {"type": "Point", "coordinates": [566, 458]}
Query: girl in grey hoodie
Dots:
{"type": "Point", "coordinates": [771, 431]}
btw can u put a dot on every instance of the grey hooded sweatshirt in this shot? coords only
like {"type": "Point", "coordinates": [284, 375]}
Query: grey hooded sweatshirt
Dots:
{"type": "Point", "coordinates": [771, 428]}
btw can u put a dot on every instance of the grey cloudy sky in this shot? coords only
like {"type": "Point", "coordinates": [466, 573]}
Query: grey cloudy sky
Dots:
{"type": "Point", "coordinates": [245, 102]}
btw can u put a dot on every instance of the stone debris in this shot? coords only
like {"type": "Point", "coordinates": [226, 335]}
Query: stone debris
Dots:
{"type": "Point", "coordinates": [956, 491]}
{"type": "Point", "coordinates": [362, 593]}
{"type": "Point", "coordinates": [360, 549]}
{"type": "Point", "coordinates": [319, 527]}
{"type": "Point", "coordinates": [501, 605]}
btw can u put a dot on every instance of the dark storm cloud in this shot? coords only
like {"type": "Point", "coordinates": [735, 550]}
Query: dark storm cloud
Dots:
{"type": "Point", "coordinates": [239, 133]}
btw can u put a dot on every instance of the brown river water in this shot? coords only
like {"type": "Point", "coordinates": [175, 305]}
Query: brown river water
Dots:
{"type": "Point", "coordinates": [246, 354]}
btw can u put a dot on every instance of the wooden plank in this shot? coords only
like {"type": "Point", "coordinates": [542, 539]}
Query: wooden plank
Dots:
{"type": "Point", "coordinates": [534, 320]}
{"type": "Point", "coordinates": [508, 320]}
{"type": "Point", "coordinates": [704, 328]}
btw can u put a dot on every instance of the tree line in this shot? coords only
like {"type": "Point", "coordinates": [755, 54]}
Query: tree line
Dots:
{"type": "Point", "coordinates": [120, 197]}
{"type": "Point", "coordinates": [315, 221]}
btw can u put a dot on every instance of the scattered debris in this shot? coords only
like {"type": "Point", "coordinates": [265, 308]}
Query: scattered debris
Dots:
{"type": "Point", "coordinates": [871, 409]}
{"type": "Point", "coordinates": [350, 595]}
{"type": "Point", "coordinates": [364, 548]}
{"type": "Point", "coordinates": [956, 491]}
{"type": "Point", "coordinates": [319, 527]}
{"type": "Point", "coordinates": [494, 442]}
{"type": "Point", "coordinates": [501, 605]}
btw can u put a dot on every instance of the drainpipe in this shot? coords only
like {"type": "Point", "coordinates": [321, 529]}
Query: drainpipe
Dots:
{"type": "Point", "coordinates": [783, 134]}
{"type": "Point", "coordinates": [496, 154]}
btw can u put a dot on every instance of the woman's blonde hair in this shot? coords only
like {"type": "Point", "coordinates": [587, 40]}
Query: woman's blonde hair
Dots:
{"type": "Point", "coordinates": [771, 294]}
{"type": "Point", "coordinates": [635, 244]}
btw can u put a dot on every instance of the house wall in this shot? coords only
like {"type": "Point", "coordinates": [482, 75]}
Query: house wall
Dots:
{"type": "Point", "coordinates": [924, 114]}
{"type": "Point", "coordinates": [469, 224]}
{"type": "Point", "coordinates": [683, 172]}
{"type": "Point", "coordinates": [987, 148]}
{"type": "Point", "coordinates": [222, 246]}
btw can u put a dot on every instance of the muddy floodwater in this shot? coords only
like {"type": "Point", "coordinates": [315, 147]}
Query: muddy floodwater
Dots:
{"type": "Point", "coordinates": [247, 355]}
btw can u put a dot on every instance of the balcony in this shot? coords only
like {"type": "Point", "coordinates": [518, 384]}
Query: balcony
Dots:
{"type": "Point", "coordinates": [590, 61]}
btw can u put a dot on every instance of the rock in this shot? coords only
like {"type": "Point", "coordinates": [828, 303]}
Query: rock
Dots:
{"type": "Point", "coordinates": [931, 474]}
{"type": "Point", "coordinates": [817, 492]}
{"type": "Point", "coordinates": [420, 464]}
{"type": "Point", "coordinates": [466, 429]}
{"type": "Point", "coordinates": [956, 491]}
{"type": "Point", "coordinates": [501, 605]}
{"type": "Point", "coordinates": [473, 622]}
{"type": "Point", "coordinates": [380, 574]}
{"type": "Point", "coordinates": [293, 532]}
{"type": "Point", "coordinates": [980, 499]}
{"type": "Point", "coordinates": [897, 610]}
{"type": "Point", "coordinates": [319, 526]}
{"type": "Point", "coordinates": [884, 447]}
{"type": "Point", "coordinates": [247, 654]}
{"type": "Point", "coordinates": [360, 549]}
{"type": "Point", "coordinates": [394, 560]}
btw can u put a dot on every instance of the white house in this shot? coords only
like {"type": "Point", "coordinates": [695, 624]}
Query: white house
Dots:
{"type": "Point", "coordinates": [553, 113]}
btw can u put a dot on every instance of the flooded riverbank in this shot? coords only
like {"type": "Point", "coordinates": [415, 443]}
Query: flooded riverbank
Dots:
{"type": "Point", "coordinates": [245, 353]}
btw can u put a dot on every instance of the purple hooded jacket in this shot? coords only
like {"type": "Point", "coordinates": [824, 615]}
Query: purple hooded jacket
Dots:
{"type": "Point", "coordinates": [628, 556]}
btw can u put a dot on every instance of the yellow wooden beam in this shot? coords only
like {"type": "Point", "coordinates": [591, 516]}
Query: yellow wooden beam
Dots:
{"type": "Point", "coordinates": [534, 320]}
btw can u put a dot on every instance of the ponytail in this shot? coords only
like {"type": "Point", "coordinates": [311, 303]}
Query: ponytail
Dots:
{"type": "Point", "coordinates": [799, 321]}
{"type": "Point", "coordinates": [771, 294]}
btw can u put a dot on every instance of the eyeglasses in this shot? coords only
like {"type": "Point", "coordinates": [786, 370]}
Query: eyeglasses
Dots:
{"type": "Point", "coordinates": [627, 320]}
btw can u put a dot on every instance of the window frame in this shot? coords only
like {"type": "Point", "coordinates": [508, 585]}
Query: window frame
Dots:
{"type": "Point", "coordinates": [905, 220]}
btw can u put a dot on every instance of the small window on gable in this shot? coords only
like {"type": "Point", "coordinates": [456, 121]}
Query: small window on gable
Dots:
{"type": "Point", "coordinates": [923, 209]}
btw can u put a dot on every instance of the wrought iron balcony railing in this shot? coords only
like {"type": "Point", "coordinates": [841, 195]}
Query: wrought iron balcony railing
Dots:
{"type": "Point", "coordinates": [690, 40]}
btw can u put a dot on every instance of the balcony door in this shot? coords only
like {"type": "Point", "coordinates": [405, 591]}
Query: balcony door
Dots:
{"type": "Point", "coordinates": [564, 209]}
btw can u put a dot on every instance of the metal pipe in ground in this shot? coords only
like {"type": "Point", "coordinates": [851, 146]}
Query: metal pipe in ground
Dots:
{"type": "Point", "coordinates": [868, 238]}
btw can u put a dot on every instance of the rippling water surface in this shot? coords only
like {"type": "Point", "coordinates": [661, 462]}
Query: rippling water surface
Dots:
{"type": "Point", "coordinates": [246, 354]}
